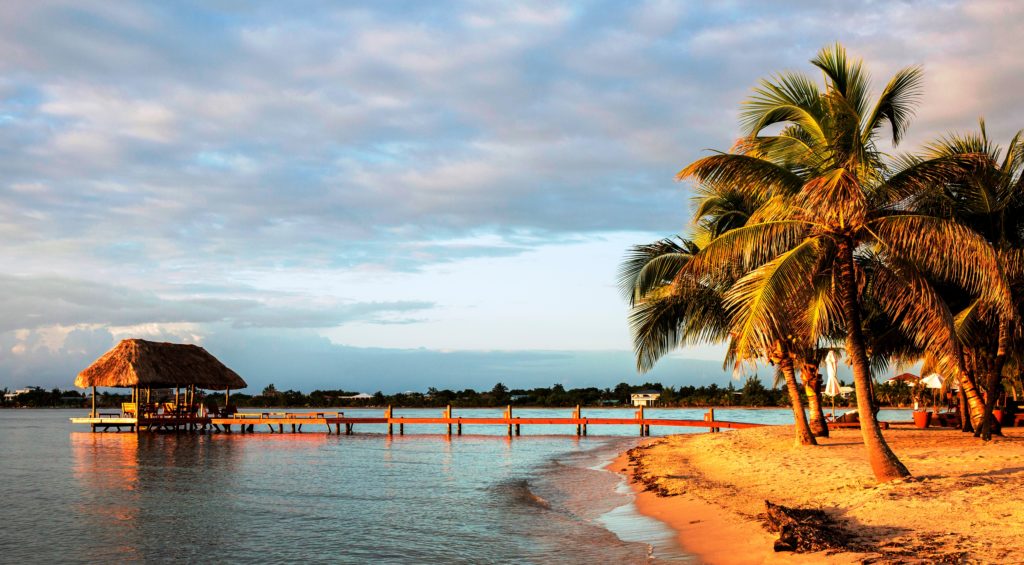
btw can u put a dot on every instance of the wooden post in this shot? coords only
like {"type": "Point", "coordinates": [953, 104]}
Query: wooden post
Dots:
{"type": "Point", "coordinates": [93, 415]}
{"type": "Point", "coordinates": [401, 429]}
{"type": "Point", "coordinates": [640, 417]}
{"type": "Point", "coordinates": [508, 416]}
{"type": "Point", "coordinates": [576, 416]}
{"type": "Point", "coordinates": [459, 427]}
{"type": "Point", "coordinates": [387, 414]}
{"type": "Point", "coordinates": [448, 416]}
{"type": "Point", "coordinates": [227, 397]}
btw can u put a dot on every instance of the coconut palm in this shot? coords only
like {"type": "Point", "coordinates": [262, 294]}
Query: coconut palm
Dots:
{"type": "Point", "coordinates": [830, 196]}
{"type": "Point", "coordinates": [669, 311]}
{"type": "Point", "coordinates": [990, 200]}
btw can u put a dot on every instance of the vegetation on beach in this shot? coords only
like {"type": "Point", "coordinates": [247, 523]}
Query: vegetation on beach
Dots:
{"type": "Point", "coordinates": [808, 236]}
{"type": "Point", "coordinates": [752, 393]}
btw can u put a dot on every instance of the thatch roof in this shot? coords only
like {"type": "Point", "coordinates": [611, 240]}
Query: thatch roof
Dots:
{"type": "Point", "coordinates": [137, 362]}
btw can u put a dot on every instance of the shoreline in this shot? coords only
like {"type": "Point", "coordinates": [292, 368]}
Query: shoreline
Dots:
{"type": "Point", "coordinates": [963, 505]}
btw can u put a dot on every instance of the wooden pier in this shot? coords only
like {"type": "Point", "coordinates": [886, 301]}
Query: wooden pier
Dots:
{"type": "Point", "coordinates": [335, 422]}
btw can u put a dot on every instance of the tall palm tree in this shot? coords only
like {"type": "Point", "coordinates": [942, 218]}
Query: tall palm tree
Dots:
{"type": "Point", "coordinates": [830, 197]}
{"type": "Point", "coordinates": [990, 200]}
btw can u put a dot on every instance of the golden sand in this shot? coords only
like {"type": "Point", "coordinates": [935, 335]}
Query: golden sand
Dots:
{"type": "Point", "coordinates": [966, 502]}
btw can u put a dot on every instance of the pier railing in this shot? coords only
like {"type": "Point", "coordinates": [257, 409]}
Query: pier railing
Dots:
{"type": "Point", "coordinates": [335, 422]}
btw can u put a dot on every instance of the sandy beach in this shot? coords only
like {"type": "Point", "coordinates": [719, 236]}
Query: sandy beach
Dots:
{"type": "Point", "coordinates": [964, 505]}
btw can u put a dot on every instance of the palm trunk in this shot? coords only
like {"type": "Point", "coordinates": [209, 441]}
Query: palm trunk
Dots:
{"type": "Point", "coordinates": [884, 463]}
{"type": "Point", "coordinates": [965, 416]}
{"type": "Point", "coordinates": [803, 431]}
{"type": "Point", "coordinates": [812, 388]}
{"type": "Point", "coordinates": [974, 406]}
{"type": "Point", "coordinates": [994, 385]}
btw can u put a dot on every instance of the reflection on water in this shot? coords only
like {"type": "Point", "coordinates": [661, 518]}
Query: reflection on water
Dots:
{"type": "Point", "coordinates": [82, 497]}
{"type": "Point", "coordinates": [74, 496]}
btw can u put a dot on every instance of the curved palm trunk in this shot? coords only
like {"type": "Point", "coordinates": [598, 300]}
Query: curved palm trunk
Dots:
{"type": "Point", "coordinates": [803, 431]}
{"type": "Point", "coordinates": [994, 385]}
{"type": "Point", "coordinates": [884, 463]}
{"type": "Point", "coordinates": [812, 388]}
{"type": "Point", "coordinates": [974, 404]}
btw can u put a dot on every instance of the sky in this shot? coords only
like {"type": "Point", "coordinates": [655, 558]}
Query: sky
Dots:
{"type": "Point", "coordinates": [397, 195]}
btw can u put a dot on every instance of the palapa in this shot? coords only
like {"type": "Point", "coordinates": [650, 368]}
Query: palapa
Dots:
{"type": "Point", "coordinates": [137, 362]}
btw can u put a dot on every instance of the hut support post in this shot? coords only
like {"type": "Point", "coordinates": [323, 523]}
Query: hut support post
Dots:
{"type": "Point", "coordinates": [93, 415]}
{"type": "Point", "coordinates": [227, 397]}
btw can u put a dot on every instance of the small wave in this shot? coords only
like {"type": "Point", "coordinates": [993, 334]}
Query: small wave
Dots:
{"type": "Point", "coordinates": [518, 491]}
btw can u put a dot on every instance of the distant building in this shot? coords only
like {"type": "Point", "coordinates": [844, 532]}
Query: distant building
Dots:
{"type": "Point", "coordinates": [360, 396]}
{"type": "Point", "coordinates": [518, 397]}
{"type": "Point", "coordinates": [645, 397]}
{"type": "Point", "coordinates": [12, 395]}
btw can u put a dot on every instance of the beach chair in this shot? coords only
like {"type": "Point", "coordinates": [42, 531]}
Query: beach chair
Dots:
{"type": "Point", "coordinates": [129, 409]}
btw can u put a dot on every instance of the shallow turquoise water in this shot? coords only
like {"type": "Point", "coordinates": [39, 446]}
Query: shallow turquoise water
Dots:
{"type": "Point", "coordinates": [74, 496]}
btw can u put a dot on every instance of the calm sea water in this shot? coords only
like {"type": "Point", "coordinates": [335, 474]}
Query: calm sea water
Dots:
{"type": "Point", "coordinates": [78, 497]}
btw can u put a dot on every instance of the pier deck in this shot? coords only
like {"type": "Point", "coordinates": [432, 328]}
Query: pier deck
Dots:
{"type": "Point", "coordinates": [335, 422]}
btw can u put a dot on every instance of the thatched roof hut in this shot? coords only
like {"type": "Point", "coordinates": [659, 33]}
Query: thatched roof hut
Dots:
{"type": "Point", "coordinates": [141, 363]}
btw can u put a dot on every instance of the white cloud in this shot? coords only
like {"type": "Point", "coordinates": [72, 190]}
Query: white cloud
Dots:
{"type": "Point", "coordinates": [394, 140]}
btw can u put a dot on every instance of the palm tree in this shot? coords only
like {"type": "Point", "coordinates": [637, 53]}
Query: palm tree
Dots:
{"type": "Point", "coordinates": [669, 311]}
{"type": "Point", "coordinates": [989, 199]}
{"type": "Point", "coordinates": [830, 196]}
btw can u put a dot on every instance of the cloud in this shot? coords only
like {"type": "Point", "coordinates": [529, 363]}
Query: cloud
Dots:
{"type": "Point", "coordinates": [35, 302]}
{"type": "Point", "coordinates": [213, 132]}
{"type": "Point", "coordinates": [305, 361]}
{"type": "Point", "coordinates": [265, 153]}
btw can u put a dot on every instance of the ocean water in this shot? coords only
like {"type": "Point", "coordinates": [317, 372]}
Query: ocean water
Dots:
{"type": "Point", "coordinates": [72, 496]}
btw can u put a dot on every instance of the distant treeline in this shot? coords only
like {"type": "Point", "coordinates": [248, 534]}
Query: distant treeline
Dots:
{"type": "Point", "coordinates": [752, 393]}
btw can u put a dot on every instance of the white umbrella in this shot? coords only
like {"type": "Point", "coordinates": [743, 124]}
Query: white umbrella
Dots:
{"type": "Point", "coordinates": [932, 381]}
{"type": "Point", "coordinates": [832, 387]}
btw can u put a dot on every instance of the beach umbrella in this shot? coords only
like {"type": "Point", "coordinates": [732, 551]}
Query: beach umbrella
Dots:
{"type": "Point", "coordinates": [832, 387]}
{"type": "Point", "coordinates": [905, 378]}
{"type": "Point", "coordinates": [934, 382]}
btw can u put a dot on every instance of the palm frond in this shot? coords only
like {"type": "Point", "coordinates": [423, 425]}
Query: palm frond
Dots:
{"type": "Point", "coordinates": [895, 106]}
{"type": "Point", "coordinates": [845, 76]}
{"type": "Point", "coordinates": [637, 276]}
{"type": "Point", "coordinates": [753, 176]}
{"type": "Point", "coordinates": [944, 249]}
{"type": "Point", "coordinates": [789, 98]}
{"type": "Point", "coordinates": [745, 248]}
{"type": "Point", "coordinates": [761, 304]}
